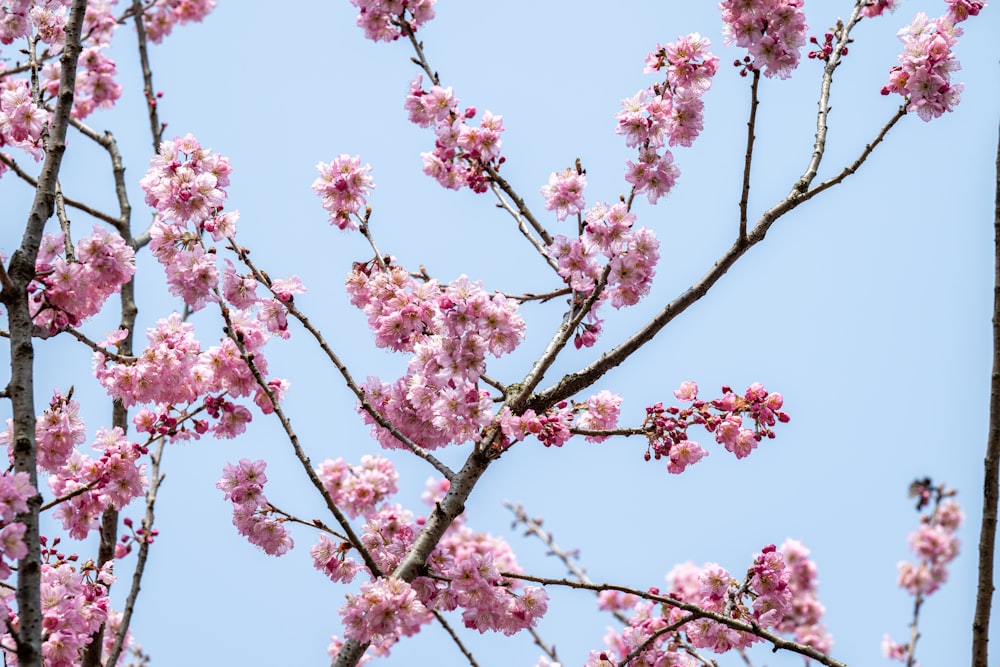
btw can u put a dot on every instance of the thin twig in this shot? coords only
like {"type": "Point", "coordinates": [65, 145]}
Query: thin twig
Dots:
{"type": "Point", "coordinates": [519, 216]}
{"type": "Point", "coordinates": [140, 564]}
{"type": "Point", "coordinates": [522, 208]}
{"type": "Point", "coordinates": [991, 473]}
{"type": "Point", "coordinates": [541, 298]}
{"type": "Point", "coordinates": [751, 124]}
{"type": "Point", "coordinates": [114, 356]}
{"type": "Point", "coordinates": [156, 129]}
{"type": "Point", "coordinates": [534, 527]}
{"type": "Point", "coordinates": [79, 205]}
{"type": "Point", "coordinates": [454, 637]}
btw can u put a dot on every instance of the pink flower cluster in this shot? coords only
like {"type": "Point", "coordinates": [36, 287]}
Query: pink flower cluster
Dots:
{"type": "Point", "coordinates": [488, 604]}
{"type": "Point", "coordinates": [450, 329]}
{"type": "Point", "coordinates": [15, 489]}
{"type": "Point", "coordinates": [669, 112]}
{"type": "Point", "coordinates": [358, 489]}
{"type": "Point", "coordinates": [185, 181]}
{"type": "Point", "coordinates": [21, 120]}
{"type": "Point", "coordinates": [384, 610]}
{"type": "Point", "coordinates": [564, 193]}
{"type": "Point", "coordinates": [923, 76]}
{"type": "Point", "coordinates": [765, 597]}
{"type": "Point", "coordinates": [111, 480]}
{"type": "Point", "coordinates": [173, 371]}
{"type": "Point", "coordinates": [666, 428]}
{"type": "Point", "coordinates": [163, 15]}
{"type": "Point", "coordinates": [95, 82]}
{"type": "Point", "coordinates": [58, 430]}
{"type": "Point", "coordinates": [469, 565]}
{"type": "Point", "coordinates": [14, 21]}
{"type": "Point", "coordinates": [462, 152]}
{"type": "Point", "coordinates": [463, 571]}
{"type": "Point", "coordinates": [382, 20]}
{"type": "Point", "coordinates": [243, 484]}
{"type": "Point", "coordinates": [803, 620]}
{"type": "Point", "coordinates": [715, 590]}
{"type": "Point", "coordinates": [343, 185]}
{"type": "Point", "coordinates": [552, 428]}
{"type": "Point", "coordinates": [68, 290]}
{"type": "Point", "coordinates": [599, 413]}
{"type": "Point", "coordinates": [401, 311]}
{"type": "Point", "coordinates": [331, 559]}
{"type": "Point", "coordinates": [878, 7]}
{"type": "Point", "coordinates": [185, 184]}
{"type": "Point", "coordinates": [74, 607]}
{"type": "Point", "coordinates": [630, 254]}
{"type": "Point", "coordinates": [935, 546]}
{"type": "Point", "coordinates": [772, 31]}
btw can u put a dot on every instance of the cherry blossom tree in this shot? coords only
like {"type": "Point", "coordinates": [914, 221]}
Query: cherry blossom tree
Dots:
{"type": "Point", "coordinates": [479, 372]}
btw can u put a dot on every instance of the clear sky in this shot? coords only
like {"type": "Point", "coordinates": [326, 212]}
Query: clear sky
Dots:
{"type": "Point", "coordinates": [868, 308]}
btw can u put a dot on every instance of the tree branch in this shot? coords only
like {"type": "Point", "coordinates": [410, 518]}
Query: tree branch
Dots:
{"type": "Point", "coordinates": [991, 465]}
{"type": "Point", "coordinates": [779, 643]}
{"type": "Point", "coordinates": [21, 389]}
{"type": "Point", "coordinates": [751, 124]}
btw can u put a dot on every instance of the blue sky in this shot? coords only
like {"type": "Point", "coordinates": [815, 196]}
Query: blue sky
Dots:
{"type": "Point", "coordinates": [868, 308]}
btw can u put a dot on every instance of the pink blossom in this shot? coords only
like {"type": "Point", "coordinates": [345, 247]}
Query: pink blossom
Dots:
{"type": "Point", "coordinates": [243, 484]}
{"type": "Point", "coordinates": [383, 611]}
{"type": "Point", "coordinates": [878, 7]}
{"type": "Point", "coordinates": [772, 31]}
{"type": "Point", "coordinates": [564, 193]}
{"type": "Point", "coordinates": [358, 489]}
{"type": "Point", "coordinates": [923, 76]}
{"type": "Point", "coordinates": [599, 413]}
{"type": "Point", "coordinates": [186, 182]}
{"type": "Point", "coordinates": [161, 18]}
{"type": "Point", "coordinates": [380, 19]}
{"type": "Point", "coordinates": [343, 185]}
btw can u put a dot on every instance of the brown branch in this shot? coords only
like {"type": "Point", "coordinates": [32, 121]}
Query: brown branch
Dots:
{"type": "Point", "coordinates": [454, 637]}
{"type": "Point", "coordinates": [991, 465]}
{"type": "Point", "coordinates": [843, 36]}
{"type": "Point", "coordinates": [300, 454]}
{"type": "Point", "coordinates": [140, 565]}
{"type": "Point", "coordinates": [156, 129]}
{"type": "Point", "coordinates": [21, 272]}
{"type": "Point", "coordinates": [548, 650]}
{"type": "Point", "coordinates": [574, 382]}
{"type": "Point", "coordinates": [534, 527]}
{"type": "Point", "coordinates": [67, 496]}
{"type": "Point", "coordinates": [911, 659]}
{"type": "Point", "coordinates": [114, 356]}
{"type": "Point", "coordinates": [418, 48]}
{"type": "Point", "coordinates": [75, 203]}
{"type": "Point", "coordinates": [522, 208]}
{"type": "Point", "coordinates": [751, 124]}
{"type": "Point", "coordinates": [520, 215]}
{"type": "Point", "coordinates": [779, 643]}
{"type": "Point", "coordinates": [542, 298]}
